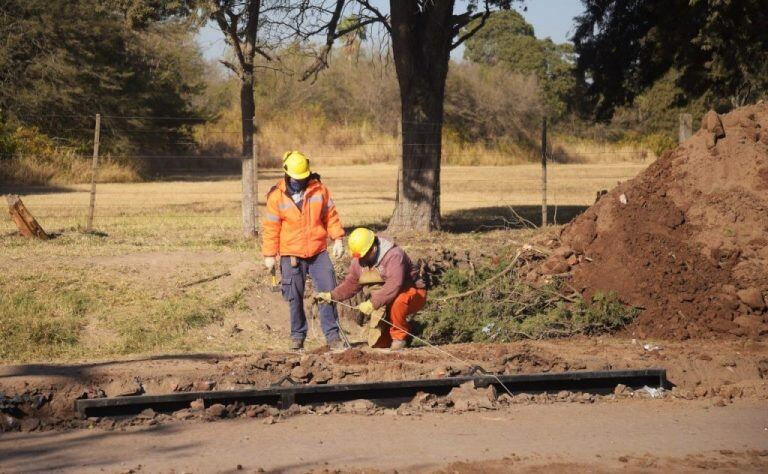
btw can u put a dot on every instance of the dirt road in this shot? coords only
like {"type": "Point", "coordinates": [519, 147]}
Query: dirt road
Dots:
{"type": "Point", "coordinates": [629, 434]}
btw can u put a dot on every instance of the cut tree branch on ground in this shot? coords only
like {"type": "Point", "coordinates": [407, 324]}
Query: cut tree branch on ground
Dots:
{"type": "Point", "coordinates": [485, 284]}
{"type": "Point", "coordinates": [206, 280]}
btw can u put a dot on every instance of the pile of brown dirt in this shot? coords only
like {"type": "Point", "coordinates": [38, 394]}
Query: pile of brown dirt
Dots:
{"type": "Point", "coordinates": [687, 239]}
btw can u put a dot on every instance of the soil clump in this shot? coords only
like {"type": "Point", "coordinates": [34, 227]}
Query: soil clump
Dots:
{"type": "Point", "coordinates": [686, 240]}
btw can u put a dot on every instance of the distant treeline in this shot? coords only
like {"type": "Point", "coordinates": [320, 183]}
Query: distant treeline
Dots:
{"type": "Point", "coordinates": [137, 63]}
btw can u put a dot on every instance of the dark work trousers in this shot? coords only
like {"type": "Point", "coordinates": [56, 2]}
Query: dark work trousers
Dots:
{"type": "Point", "coordinates": [320, 270]}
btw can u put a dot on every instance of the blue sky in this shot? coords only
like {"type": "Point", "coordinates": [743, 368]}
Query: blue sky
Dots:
{"type": "Point", "coordinates": [550, 18]}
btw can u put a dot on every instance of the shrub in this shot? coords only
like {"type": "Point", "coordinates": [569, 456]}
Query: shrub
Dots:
{"type": "Point", "coordinates": [30, 157]}
{"type": "Point", "coordinates": [658, 142]}
{"type": "Point", "coordinates": [511, 310]}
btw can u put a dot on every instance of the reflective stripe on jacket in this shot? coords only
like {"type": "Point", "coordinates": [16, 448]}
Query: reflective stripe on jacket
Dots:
{"type": "Point", "coordinates": [303, 232]}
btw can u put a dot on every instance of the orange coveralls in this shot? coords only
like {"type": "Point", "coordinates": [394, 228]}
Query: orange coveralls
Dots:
{"type": "Point", "coordinates": [406, 303]}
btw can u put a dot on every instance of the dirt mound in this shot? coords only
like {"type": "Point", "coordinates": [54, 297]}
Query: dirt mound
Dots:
{"type": "Point", "coordinates": [687, 239]}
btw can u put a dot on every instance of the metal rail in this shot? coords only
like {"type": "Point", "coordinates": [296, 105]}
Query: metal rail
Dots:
{"type": "Point", "coordinates": [599, 382]}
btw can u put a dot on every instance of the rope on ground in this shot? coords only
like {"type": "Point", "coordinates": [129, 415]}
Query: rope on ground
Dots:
{"type": "Point", "coordinates": [433, 346]}
{"type": "Point", "coordinates": [342, 333]}
{"type": "Point", "coordinates": [315, 314]}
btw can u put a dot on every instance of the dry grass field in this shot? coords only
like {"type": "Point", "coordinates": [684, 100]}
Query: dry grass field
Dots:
{"type": "Point", "coordinates": [173, 211]}
{"type": "Point", "coordinates": [122, 289]}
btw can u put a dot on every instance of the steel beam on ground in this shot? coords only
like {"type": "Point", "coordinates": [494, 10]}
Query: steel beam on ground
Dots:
{"type": "Point", "coordinates": [598, 382]}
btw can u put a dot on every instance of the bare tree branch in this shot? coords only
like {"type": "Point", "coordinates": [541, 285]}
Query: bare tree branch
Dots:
{"type": "Point", "coordinates": [321, 62]}
{"type": "Point", "coordinates": [355, 27]}
{"type": "Point", "coordinates": [463, 20]}
{"type": "Point", "coordinates": [229, 28]}
{"type": "Point", "coordinates": [272, 68]}
{"type": "Point", "coordinates": [333, 33]}
{"type": "Point", "coordinates": [230, 66]}
{"type": "Point", "coordinates": [262, 53]}
{"type": "Point", "coordinates": [251, 27]}
{"type": "Point", "coordinates": [383, 19]}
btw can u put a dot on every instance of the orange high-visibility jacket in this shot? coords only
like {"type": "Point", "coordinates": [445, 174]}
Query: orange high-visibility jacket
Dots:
{"type": "Point", "coordinates": [288, 230]}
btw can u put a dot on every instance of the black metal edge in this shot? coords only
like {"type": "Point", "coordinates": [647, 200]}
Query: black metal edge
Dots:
{"type": "Point", "coordinates": [590, 381]}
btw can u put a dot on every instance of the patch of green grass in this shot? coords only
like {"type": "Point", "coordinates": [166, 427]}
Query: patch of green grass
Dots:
{"type": "Point", "coordinates": [164, 325]}
{"type": "Point", "coordinates": [51, 313]}
{"type": "Point", "coordinates": [511, 310]}
{"type": "Point", "coordinates": [40, 324]}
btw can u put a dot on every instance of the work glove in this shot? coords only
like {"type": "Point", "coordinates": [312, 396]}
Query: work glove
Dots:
{"type": "Point", "coordinates": [338, 248]}
{"type": "Point", "coordinates": [366, 307]}
{"type": "Point", "coordinates": [269, 262]}
{"type": "Point", "coordinates": [324, 297]}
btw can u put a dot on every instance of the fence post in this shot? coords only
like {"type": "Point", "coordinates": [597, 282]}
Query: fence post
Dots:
{"type": "Point", "coordinates": [94, 168]}
{"type": "Point", "coordinates": [255, 156]}
{"type": "Point", "coordinates": [686, 128]}
{"type": "Point", "coordinates": [544, 173]}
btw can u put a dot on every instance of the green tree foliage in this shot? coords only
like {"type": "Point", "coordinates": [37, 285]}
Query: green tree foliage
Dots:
{"type": "Point", "coordinates": [505, 37]}
{"type": "Point", "coordinates": [63, 61]}
{"type": "Point", "coordinates": [653, 117]}
{"type": "Point", "coordinates": [508, 40]}
{"type": "Point", "coordinates": [718, 48]}
{"type": "Point", "coordinates": [142, 13]}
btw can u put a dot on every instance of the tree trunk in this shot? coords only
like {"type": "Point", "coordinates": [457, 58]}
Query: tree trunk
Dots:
{"type": "Point", "coordinates": [249, 199]}
{"type": "Point", "coordinates": [418, 195]}
{"type": "Point", "coordinates": [421, 44]}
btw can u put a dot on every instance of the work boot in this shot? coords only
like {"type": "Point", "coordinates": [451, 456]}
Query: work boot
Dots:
{"type": "Point", "coordinates": [296, 345]}
{"type": "Point", "coordinates": [337, 345]}
{"type": "Point", "coordinates": [398, 345]}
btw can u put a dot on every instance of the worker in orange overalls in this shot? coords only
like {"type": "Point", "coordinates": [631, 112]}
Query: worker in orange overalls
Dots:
{"type": "Point", "coordinates": [299, 219]}
{"type": "Point", "coordinates": [378, 260]}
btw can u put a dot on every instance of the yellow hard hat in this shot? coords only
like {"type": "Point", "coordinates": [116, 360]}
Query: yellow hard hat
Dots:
{"type": "Point", "coordinates": [296, 165]}
{"type": "Point", "coordinates": [360, 241]}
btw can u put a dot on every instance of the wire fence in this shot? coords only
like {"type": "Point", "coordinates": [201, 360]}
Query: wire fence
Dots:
{"type": "Point", "coordinates": [191, 184]}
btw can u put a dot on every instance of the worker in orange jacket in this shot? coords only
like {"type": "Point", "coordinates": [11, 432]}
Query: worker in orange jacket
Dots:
{"type": "Point", "coordinates": [299, 219]}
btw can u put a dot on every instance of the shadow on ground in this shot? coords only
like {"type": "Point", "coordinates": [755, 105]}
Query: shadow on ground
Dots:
{"type": "Point", "coordinates": [193, 176]}
{"type": "Point", "coordinates": [485, 219]}
{"type": "Point", "coordinates": [52, 451]}
{"type": "Point", "coordinates": [507, 217]}
{"type": "Point", "coordinates": [83, 370]}
{"type": "Point", "coordinates": [23, 190]}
